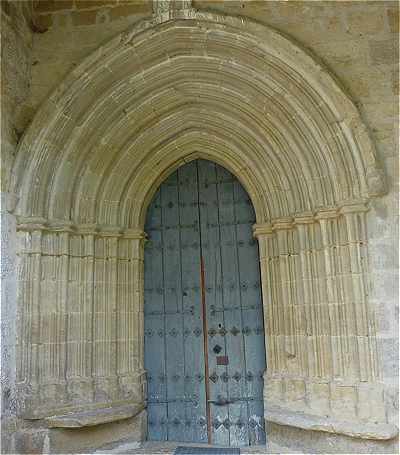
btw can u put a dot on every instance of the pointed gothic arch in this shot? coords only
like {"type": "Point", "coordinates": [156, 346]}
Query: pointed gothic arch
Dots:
{"type": "Point", "coordinates": [171, 89]}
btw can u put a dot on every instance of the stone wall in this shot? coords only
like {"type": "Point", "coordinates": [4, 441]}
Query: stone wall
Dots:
{"type": "Point", "coordinates": [356, 40]}
{"type": "Point", "coordinates": [72, 29]}
{"type": "Point", "coordinates": [320, 260]}
{"type": "Point", "coordinates": [16, 54]}
{"type": "Point", "coordinates": [16, 63]}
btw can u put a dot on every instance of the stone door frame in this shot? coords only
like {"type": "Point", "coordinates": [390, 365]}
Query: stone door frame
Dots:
{"type": "Point", "coordinates": [310, 228]}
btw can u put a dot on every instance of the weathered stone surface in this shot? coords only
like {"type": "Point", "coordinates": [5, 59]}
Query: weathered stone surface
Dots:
{"type": "Point", "coordinates": [232, 91]}
{"type": "Point", "coordinates": [308, 441]}
{"type": "Point", "coordinates": [95, 417]}
{"type": "Point", "coordinates": [346, 427]}
{"type": "Point", "coordinates": [78, 440]}
{"type": "Point", "coordinates": [16, 52]}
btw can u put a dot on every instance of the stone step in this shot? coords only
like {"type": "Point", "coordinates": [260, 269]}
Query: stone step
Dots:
{"type": "Point", "coordinates": [94, 417]}
{"type": "Point", "coordinates": [168, 448]}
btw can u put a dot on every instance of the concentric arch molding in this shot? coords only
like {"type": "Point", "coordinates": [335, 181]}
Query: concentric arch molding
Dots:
{"type": "Point", "coordinates": [184, 85]}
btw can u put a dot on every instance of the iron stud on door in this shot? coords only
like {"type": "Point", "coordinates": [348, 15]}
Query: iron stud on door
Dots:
{"type": "Point", "coordinates": [204, 344]}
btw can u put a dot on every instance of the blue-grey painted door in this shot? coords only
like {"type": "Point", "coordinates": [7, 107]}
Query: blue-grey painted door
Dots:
{"type": "Point", "coordinates": [204, 334]}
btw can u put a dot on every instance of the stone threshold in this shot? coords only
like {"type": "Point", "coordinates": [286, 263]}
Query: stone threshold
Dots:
{"type": "Point", "coordinates": [377, 431]}
{"type": "Point", "coordinates": [129, 447]}
{"type": "Point", "coordinates": [94, 417]}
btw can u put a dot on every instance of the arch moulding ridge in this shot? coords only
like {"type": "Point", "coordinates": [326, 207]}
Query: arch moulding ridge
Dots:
{"type": "Point", "coordinates": [333, 155]}
{"type": "Point", "coordinates": [181, 86]}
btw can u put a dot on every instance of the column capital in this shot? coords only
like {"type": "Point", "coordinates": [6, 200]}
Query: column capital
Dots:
{"type": "Point", "coordinates": [284, 223]}
{"type": "Point", "coordinates": [31, 223]}
{"type": "Point", "coordinates": [134, 234]}
{"type": "Point", "coordinates": [86, 229]}
{"type": "Point", "coordinates": [327, 213]}
{"type": "Point", "coordinates": [109, 231]}
{"type": "Point", "coordinates": [304, 218]}
{"type": "Point", "coordinates": [354, 207]}
{"type": "Point", "coordinates": [60, 225]}
{"type": "Point", "coordinates": [262, 229]}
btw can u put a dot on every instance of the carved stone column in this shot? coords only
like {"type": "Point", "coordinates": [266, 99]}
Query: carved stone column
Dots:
{"type": "Point", "coordinates": [80, 315]}
{"type": "Point", "coordinates": [322, 371]}
{"type": "Point", "coordinates": [318, 390]}
{"type": "Point", "coordinates": [130, 341]}
{"type": "Point", "coordinates": [29, 256]}
{"type": "Point", "coordinates": [265, 237]}
{"type": "Point", "coordinates": [80, 318]}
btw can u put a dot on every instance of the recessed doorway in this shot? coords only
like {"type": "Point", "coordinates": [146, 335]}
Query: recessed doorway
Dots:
{"type": "Point", "coordinates": [204, 331]}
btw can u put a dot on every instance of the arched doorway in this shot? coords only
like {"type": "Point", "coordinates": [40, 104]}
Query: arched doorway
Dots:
{"type": "Point", "coordinates": [253, 101]}
{"type": "Point", "coordinates": [204, 333]}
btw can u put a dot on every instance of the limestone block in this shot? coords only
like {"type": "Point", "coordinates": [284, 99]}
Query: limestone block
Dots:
{"type": "Point", "coordinates": [79, 440]}
{"type": "Point", "coordinates": [31, 442]}
{"type": "Point", "coordinates": [343, 401]}
{"type": "Point", "coordinates": [122, 11]}
{"type": "Point", "coordinates": [389, 354]}
{"type": "Point", "coordinates": [95, 417]}
{"type": "Point", "coordinates": [382, 223]}
{"type": "Point", "coordinates": [361, 22]}
{"type": "Point", "coordinates": [53, 395]}
{"type": "Point", "coordinates": [105, 389]}
{"type": "Point", "coordinates": [383, 254]}
{"type": "Point", "coordinates": [273, 390]}
{"type": "Point", "coordinates": [293, 439]}
{"type": "Point", "coordinates": [392, 401]}
{"type": "Point", "coordinates": [382, 52]}
{"type": "Point", "coordinates": [387, 312]}
{"type": "Point", "coordinates": [393, 19]}
{"type": "Point", "coordinates": [295, 393]}
{"type": "Point", "coordinates": [318, 397]}
{"type": "Point", "coordinates": [131, 387]}
{"type": "Point", "coordinates": [10, 400]}
{"type": "Point", "coordinates": [80, 390]}
{"type": "Point", "coordinates": [53, 5]}
{"type": "Point", "coordinates": [371, 404]}
{"type": "Point", "coordinates": [87, 4]}
{"type": "Point", "coordinates": [306, 421]}
{"type": "Point", "coordinates": [43, 22]}
{"type": "Point", "coordinates": [85, 438]}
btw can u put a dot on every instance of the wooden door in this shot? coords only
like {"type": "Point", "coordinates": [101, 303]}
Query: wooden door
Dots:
{"type": "Point", "coordinates": [202, 295]}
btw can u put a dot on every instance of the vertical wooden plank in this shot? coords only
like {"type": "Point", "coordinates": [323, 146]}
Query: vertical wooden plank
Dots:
{"type": "Point", "coordinates": [238, 410]}
{"type": "Point", "coordinates": [155, 325]}
{"type": "Point", "coordinates": [256, 422]}
{"type": "Point", "coordinates": [173, 308]}
{"type": "Point", "coordinates": [156, 378]}
{"type": "Point", "coordinates": [153, 273]}
{"type": "Point", "coordinates": [214, 288]}
{"type": "Point", "coordinates": [195, 429]}
{"type": "Point", "coordinates": [252, 313]}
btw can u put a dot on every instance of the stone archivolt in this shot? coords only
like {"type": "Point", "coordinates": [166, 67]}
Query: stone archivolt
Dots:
{"type": "Point", "coordinates": [182, 86]}
{"type": "Point", "coordinates": [230, 89]}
